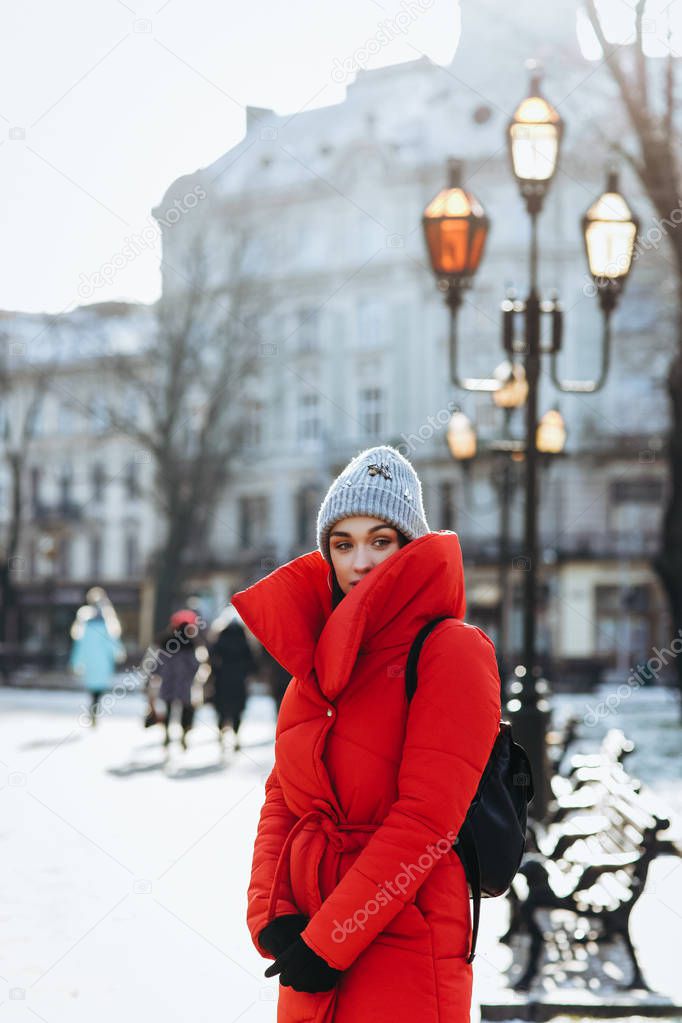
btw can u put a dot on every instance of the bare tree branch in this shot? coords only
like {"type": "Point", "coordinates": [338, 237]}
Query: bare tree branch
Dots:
{"type": "Point", "coordinates": [192, 375]}
{"type": "Point", "coordinates": [657, 168]}
{"type": "Point", "coordinates": [640, 59]}
{"type": "Point", "coordinates": [613, 60]}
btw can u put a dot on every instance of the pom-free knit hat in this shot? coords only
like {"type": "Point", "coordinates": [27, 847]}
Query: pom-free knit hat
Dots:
{"type": "Point", "coordinates": [378, 482]}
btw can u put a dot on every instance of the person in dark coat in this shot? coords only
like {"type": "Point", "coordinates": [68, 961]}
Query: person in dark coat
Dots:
{"type": "Point", "coordinates": [231, 662]}
{"type": "Point", "coordinates": [276, 676]}
{"type": "Point", "coordinates": [177, 668]}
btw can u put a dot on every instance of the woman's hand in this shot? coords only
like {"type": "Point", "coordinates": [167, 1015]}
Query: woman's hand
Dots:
{"type": "Point", "coordinates": [280, 932]}
{"type": "Point", "coordinates": [303, 970]}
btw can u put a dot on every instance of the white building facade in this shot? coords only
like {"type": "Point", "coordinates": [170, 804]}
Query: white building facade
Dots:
{"type": "Point", "coordinates": [353, 340]}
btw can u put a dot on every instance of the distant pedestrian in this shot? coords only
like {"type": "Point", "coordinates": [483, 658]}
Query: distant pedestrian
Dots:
{"type": "Point", "coordinates": [176, 653]}
{"type": "Point", "coordinates": [232, 661]}
{"type": "Point", "coordinates": [276, 676]}
{"type": "Point", "coordinates": [97, 646]}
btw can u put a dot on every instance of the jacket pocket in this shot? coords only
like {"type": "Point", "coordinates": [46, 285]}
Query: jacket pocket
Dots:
{"type": "Point", "coordinates": [443, 901]}
{"type": "Point", "coordinates": [408, 930]}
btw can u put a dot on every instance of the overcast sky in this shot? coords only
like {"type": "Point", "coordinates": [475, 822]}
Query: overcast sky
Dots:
{"type": "Point", "coordinates": [105, 102]}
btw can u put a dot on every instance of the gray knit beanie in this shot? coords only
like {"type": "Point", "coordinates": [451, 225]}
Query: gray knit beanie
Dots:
{"type": "Point", "coordinates": [378, 482]}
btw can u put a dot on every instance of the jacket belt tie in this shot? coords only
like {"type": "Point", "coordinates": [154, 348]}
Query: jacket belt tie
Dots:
{"type": "Point", "coordinates": [329, 831]}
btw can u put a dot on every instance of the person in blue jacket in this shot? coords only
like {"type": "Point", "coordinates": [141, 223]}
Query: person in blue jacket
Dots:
{"type": "Point", "coordinates": [97, 647]}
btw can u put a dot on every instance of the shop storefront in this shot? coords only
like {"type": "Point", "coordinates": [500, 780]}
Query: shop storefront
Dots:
{"type": "Point", "coordinates": [47, 610]}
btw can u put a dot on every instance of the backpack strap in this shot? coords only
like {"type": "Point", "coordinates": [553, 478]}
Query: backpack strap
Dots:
{"type": "Point", "coordinates": [465, 847]}
{"type": "Point", "coordinates": [413, 656]}
{"type": "Point", "coordinates": [464, 844]}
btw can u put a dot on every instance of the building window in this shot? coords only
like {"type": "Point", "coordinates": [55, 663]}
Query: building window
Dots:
{"type": "Point", "coordinates": [625, 622]}
{"type": "Point", "coordinates": [65, 419]}
{"type": "Point", "coordinates": [36, 481]}
{"type": "Point", "coordinates": [130, 406]}
{"type": "Point", "coordinates": [642, 491]}
{"type": "Point", "coordinates": [446, 505]}
{"type": "Point", "coordinates": [98, 481]}
{"type": "Point", "coordinates": [132, 555]}
{"type": "Point", "coordinates": [36, 421]}
{"type": "Point", "coordinates": [99, 415]}
{"type": "Point", "coordinates": [307, 504]}
{"type": "Point", "coordinates": [308, 329]}
{"type": "Point", "coordinates": [96, 556]}
{"type": "Point", "coordinates": [64, 557]}
{"type": "Point", "coordinates": [371, 411]}
{"type": "Point", "coordinates": [65, 487]}
{"type": "Point", "coordinates": [132, 481]}
{"type": "Point", "coordinates": [253, 521]}
{"type": "Point", "coordinates": [309, 425]}
{"type": "Point", "coordinates": [371, 323]}
{"type": "Point", "coordinates": [253, 425]}
{"type": "Point", "coordinates": [633, 505]}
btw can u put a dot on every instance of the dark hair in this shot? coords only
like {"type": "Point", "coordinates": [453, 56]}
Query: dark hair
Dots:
{"type": "Point", "coordinates": [337, 592]}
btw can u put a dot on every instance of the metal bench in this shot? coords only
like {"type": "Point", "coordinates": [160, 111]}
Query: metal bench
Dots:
{"type": "Point", "coordinates": [588, 866]}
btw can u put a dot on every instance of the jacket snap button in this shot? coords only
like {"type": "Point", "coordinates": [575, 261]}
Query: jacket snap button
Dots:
{"type": "Point", "coordinates": [329, 712]}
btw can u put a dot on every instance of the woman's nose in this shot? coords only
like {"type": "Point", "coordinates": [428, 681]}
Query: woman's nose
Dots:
{"type": "Point", "coordinates": [363, 560]}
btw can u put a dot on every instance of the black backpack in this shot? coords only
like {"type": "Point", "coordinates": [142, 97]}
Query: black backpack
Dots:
{"type": "Point", "coordinates": [492, 838]}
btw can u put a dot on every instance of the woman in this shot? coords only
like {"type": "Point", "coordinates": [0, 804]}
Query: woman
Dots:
{"type": "Point", "coordinates": [97, 646]}
{"type": "Point", "coordinates": [355, 891]}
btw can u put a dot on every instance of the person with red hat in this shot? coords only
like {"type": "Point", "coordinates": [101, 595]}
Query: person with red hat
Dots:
{"type": "Point", "coordinates": [183, 617]}
{"type": "Point", "coordinates": [177, 668]}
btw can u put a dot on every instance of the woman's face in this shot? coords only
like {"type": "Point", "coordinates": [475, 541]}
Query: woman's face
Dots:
{"type": "Point", "coordinates": [357, 544]}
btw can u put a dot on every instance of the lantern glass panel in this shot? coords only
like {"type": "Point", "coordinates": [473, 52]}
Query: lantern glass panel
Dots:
{"type": "Point", "coordinates": [610, 237]}
{"type": "Point", "coordinates": [448, 244]}
{"type": "Point", "coordinates": [455, 230]}
{"type": "Point", "coordinates": [461, 437]}
{"type": "Point", "coordinates": [534, 135]}
{"type": "Point", "coordinates": [453, 202]}
{"type": "Point", "coordinates": [535, 149]}
{"type": "Point", "coordinates": [551, 433]}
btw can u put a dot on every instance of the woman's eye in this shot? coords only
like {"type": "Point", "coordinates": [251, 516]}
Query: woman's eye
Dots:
{"type": "Point", "coordinates": [383, 541]}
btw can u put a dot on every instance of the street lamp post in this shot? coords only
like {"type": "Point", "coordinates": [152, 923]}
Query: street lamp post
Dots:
{"type": "Point", "coordinates": [511, 395]}
{"type": "Point", "coordinates": [455, 229]}
{"type": "Point", "coordinates": [462, 442]}
{"type": "Point", "coordinates": [534, 135]}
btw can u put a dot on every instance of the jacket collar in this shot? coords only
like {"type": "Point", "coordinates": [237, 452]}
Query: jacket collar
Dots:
{"type": "Point", "coordinates": [290, 613]}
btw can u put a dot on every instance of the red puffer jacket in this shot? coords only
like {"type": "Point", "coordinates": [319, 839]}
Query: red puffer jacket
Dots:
{"type": "Point", "coordinates": [365, 799]}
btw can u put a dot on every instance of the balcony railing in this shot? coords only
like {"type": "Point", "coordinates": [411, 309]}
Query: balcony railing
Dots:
{"type": "Point", "coordinates": [592, 545]}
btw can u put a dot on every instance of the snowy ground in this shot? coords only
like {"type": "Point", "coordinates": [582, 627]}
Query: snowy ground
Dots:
{"type": "Point", "coordinates": [124, 873]}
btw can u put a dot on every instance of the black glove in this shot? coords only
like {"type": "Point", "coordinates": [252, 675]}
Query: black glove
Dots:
{"type": "Point", "coordinates": [302, 969]}
{"type": "Point", "coordinates": [281, 931]}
